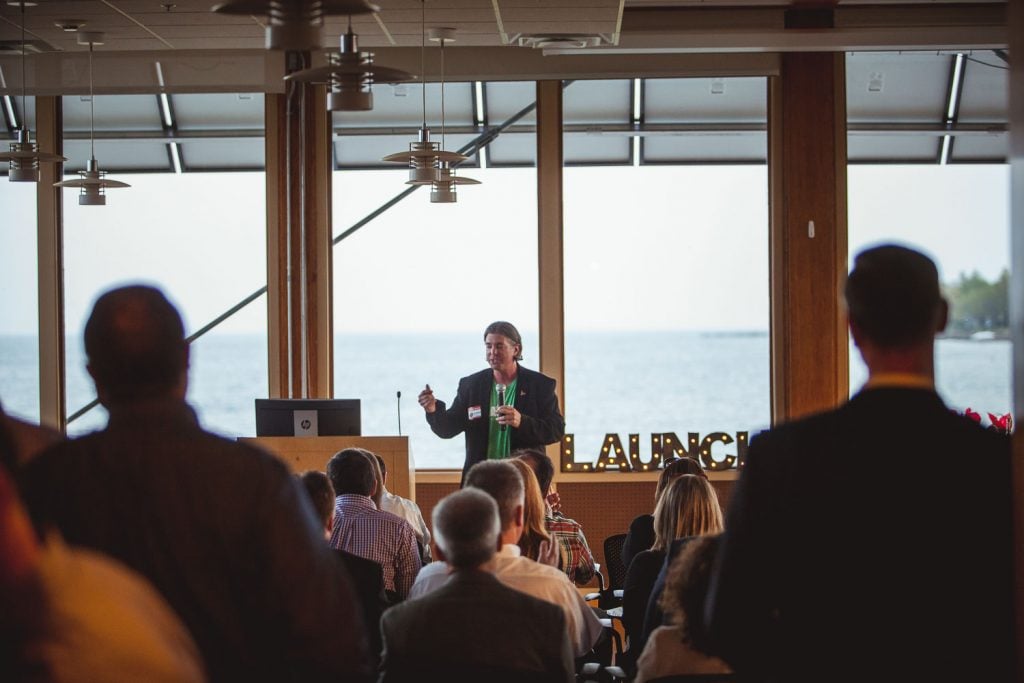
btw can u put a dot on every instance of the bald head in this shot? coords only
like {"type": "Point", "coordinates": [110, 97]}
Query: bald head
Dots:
{"type": "Point", "coordinates": [466, 528]}
{"type": "Point", "coordinates": [135, 344]}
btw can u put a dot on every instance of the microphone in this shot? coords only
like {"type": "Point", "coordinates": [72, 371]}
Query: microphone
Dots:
{"type": "Point", "coordinates": [501, 402]}
{"type": "Point", "coordinates": [398, 405]}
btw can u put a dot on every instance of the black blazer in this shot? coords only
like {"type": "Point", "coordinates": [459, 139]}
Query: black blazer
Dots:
{"type": "Point", "coordinates": [872, 542]}
{"type": "Point", "coordinates": [542, 422]}
{"type": "Point", "coordinates": [474, 628]}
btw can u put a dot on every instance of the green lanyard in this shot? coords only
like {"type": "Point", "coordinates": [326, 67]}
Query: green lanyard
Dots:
{"type": "Point", "coordinates": [499, 441]}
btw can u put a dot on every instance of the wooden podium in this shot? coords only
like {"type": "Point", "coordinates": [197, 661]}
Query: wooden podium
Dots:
{"type": "Point", "coordinates": [303, 453]}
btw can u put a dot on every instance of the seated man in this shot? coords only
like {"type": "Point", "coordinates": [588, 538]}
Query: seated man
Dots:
{"type": "Point", "coordinates": [406, 509]}
{"type": "Point", "coordinates": [499, 634]}
{"type": "Point", "coordinates": [574, 556]}
{"type": "Point", "coordinates": [503, 482]}
{"type": "Point", "coordinates": [367, 576]}
{"type": "Point", "coordinates": [363, 530]}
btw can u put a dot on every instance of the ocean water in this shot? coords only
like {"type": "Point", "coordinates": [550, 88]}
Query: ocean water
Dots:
{"type": "Point", "coordinates": [621, 383]}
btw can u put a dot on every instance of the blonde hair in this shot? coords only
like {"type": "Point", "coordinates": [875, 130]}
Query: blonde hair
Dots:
{"type": "Point", "coordinates": [534, 531]}
{"type": "Point", "coordinates": [688, 507]}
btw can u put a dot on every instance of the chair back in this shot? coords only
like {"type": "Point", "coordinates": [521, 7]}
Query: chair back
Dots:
{"type": "Point", "coordinates": [613, 561]}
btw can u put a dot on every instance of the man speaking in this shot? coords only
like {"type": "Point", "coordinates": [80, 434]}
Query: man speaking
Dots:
{"type": "Point", "coordinates": [500, 409]}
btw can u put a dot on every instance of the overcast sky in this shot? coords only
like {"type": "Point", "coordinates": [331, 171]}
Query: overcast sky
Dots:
{"type": "Point", "coordinates": [646, 248]}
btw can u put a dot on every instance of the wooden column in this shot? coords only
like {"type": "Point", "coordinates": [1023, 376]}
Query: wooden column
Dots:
{"type": "Point", "coordinates": [550, 239]}
{"type": "Point", "coordinates": [807, 190]}
{"type": "Point", "coordinates": [1016, 33]}
{"type": "Point", "coordinates": [50, 258]}
{"type": "Point", "coordinates": [299, 263]}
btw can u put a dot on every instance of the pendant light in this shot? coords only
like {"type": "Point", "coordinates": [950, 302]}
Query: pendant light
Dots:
{"type": "Point", "coordinates": [349, 76]}
{"type": "Point", "coordinates": [93, 182]}
{"type": "Point", "coordinates": [443, 189]}
{"type": "Point", "coordinates": [424, 156]}
{"type": "Point", "coordinates": [24, 157]}
{"type": "Point", "coordinates": [295, 24]}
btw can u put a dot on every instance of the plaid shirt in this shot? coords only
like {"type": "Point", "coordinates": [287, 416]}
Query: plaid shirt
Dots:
{"type": "Point", "coordinates": [362, 529]}
{"type": "Point", "coordinates": [574, 556]}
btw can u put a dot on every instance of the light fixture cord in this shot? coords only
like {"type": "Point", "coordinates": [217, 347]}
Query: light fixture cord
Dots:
{"type": "Point", "coordinates": [92, 110]}
{"type": "Point", "coordinates": [442, 93]}
{"type": "Point", "coordinates": [423, 57]}
{"type": "Point", "coordinates": [24, 111]}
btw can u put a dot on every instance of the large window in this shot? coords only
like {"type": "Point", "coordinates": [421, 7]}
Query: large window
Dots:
{"type": "Point", "coordinates": [958, 215]}
{"type": "Point", "coordinates": [415, 287]}
{"type": "Point", "coordinates": [666, 260]}
{"type": "Point", "coordinates": [19, 337]}
{"type": "Point", "coordinates": [927, 146]}
{"type": "Point", "coordinates": [198, 236]}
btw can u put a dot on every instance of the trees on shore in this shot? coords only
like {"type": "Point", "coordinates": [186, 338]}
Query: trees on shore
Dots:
{"type": "Point", "coordinates": [978, 305]}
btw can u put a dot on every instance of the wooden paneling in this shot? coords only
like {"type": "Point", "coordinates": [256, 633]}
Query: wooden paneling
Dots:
{"type": "Point", "coordinates": [50, 245]}
{"type": "Point", "coordinates": [299, 251]}
{"type": "Point", "coordinates": [313, 453]}
{"type": "Point", "coordinates": [550, 262]}
{"type": "Point", "coordinates": [807, 178]}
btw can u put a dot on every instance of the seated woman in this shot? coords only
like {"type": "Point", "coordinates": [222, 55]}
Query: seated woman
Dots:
{"type": "Point", "coordinates": [641, 531]}
{"type": "Point", "coordinates": [679, 649]}
{"type": "Point", "coordinates": [535, 543]}
{"type": "Point", "coordinates": [688, 507]}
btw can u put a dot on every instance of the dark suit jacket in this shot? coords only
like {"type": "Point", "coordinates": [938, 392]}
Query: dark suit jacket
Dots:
{"type": "Point", "coordinates": [542, 422]}
{"type": "Point", "coordinates": [474, 628]}
{"type": "Point", "coordinates": [872, 542]}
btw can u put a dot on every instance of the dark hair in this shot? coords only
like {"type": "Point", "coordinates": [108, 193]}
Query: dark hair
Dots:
{"type": "Point", "coordinates": [541, 465]}
{"type": "Point", "coordinates": [893, 296]}
{"type": "Point", "coordinates": [380, 463]}
{"type": "Point", "coordinates": [686, 586]}
{"type": "Point", "coordinates": [351, 471]}
{"type": "Point", "coordinates": [675, 469]}
{"type": "Point", "coordinates": [135, 343]}
{"type": "Point", "coordinates": [466, 527]}
{"type": "Point", "coordinates": [503, 482]}
{"type": "Point", "coordinates": [508, 330]}
{"type": "Point", "coordinates": [321, 493]}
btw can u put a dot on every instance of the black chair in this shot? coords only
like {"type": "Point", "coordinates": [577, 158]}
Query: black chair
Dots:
{"type": "Point", "coordinates": [609, 594]}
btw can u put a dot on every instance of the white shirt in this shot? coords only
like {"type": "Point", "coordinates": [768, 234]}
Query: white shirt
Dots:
{"type": "Point", "coordinates": [539, 580]}
{"type": "Point", "coordinates": [407, 510]}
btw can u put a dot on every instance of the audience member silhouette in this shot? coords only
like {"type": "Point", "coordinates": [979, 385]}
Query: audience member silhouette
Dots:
{"type": "Point", "coordinates": [221, 529]}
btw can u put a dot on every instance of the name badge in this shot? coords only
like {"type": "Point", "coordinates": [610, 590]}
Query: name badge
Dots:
{"type": "Point", "coordinates": [475, 413]}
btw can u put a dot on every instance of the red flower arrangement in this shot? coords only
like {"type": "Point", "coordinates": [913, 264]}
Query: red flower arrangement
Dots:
{"type": "Point", "coordinates": [999, 423]}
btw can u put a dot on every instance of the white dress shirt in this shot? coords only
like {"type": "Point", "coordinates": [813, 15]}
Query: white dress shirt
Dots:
{"type": "Point", "coordinates": [409, 511]}
{"type": "Point", "coordinates": [530, 577]}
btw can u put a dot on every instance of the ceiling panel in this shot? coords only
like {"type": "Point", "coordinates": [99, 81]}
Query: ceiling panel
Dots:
{"type": "Point", "coordinates": [698, 100]}
{"type": "Point", "coordinates": [894, 148]}
{"type": "Point", "coordinates": [401, 106]}
{"type": "Point", "coordinates": [513, 149]}
{"type": "Point", "coordinates": [222, 111]}
{"type": "Point", "coordinates": [118, 155]}
{"type": "Point", "coordinates": [506, 99]}
{"type": "Point", "coordinates": [986, 89]}
{"type": "Point", "coordinates": [897, 87]}
{"type": "Point", "coordinates": [366, 151]}
{"type": "Point", "coordinates": [995, 147]}
{"type": "Point", "coordinates": [597, 102]}
{"type": "Point", "coordinates": [710, 148]}
{"type": "Point", "coordinates": [242, 154]}
{"type": "Point", "coordinates": [113, 113]}
{"type": "Point", "coordinates": [585, 148]}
